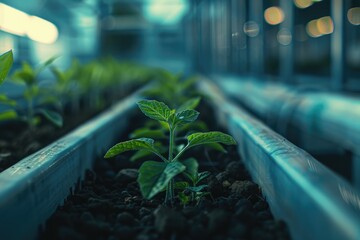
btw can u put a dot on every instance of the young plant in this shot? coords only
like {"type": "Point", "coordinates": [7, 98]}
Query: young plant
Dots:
{"type": "Point", "coordinates": [193, 187]}
{"type": "Point", "coordinates": [67, 89]}
{"type": "Point", "coordinates": [156, 176]}
{"type": "Point", "coordinates": [35, 96]}
{"type": "Point", "coordinates": [6, 61]}
{"type": "Point", "coordinates": [172, 89]}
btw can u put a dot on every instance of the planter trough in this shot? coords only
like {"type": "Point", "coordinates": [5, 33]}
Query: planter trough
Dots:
{"type": "Point", "coordinates": [315, 202]}
{"type": "Point", "coordinates": [32, 189]}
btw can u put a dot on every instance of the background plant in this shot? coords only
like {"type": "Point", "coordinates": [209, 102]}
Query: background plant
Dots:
{"type": "Point", "coordinates": [6, 61]}
{"type": "Point", "coordinates": [39, 100]}
{"type": "Point", "coordinates": [156, 176]}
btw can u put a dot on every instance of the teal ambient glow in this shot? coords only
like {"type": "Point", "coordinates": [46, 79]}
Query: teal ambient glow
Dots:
{"type": "Point", "coordinates": [165, 11]}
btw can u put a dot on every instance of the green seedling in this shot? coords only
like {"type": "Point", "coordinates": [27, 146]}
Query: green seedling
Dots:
{"type": "Point", "coordinates": [38, 99]}
{"type": "Point", "coordinates": [6, 61]}
{"type": "Point", "coordinates": [66, 87]}
{"type": "Point", "coordinates": [172, 89]}
{"type": "Point", "coordinates": [159, 130]}
{"type": "Point", "coordinates": [193, 186]}
{"type": "Point", "coordinates": [155, 176]}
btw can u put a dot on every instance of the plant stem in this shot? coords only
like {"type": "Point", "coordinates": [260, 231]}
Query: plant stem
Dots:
{"type": "Point", "coordinates": [30, 114]}
{"type": "Point", "coordinates": [171, 143]}
{"type": "Point", "coordinates": [170, 187]}
{"type": "Point", "coordinates": [169, 192]}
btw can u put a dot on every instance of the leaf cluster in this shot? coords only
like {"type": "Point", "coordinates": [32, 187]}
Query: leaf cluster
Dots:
{"type": "Point", "coordinates": [155, 176]}
{"type": "Point", "coordinates": [39, 100]}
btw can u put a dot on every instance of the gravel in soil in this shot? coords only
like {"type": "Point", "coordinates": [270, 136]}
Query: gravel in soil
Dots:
{"type": "Point", "coordinates": [109, 206]}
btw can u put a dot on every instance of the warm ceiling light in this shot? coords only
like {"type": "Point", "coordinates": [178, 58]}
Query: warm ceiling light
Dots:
{"type": "Point", "coordinates": [320, 27]}
{"type": "Point", "coordinates": [353, 15]}
{"type": "Point", "coordinates": [325, 25]}
{"type": "Point", "coordinates": [274, 15]}
{"type": "Point", "coordinates": [303, 3]}
{"type": "Point", "coordinates": [12, 20]}
{"type": "Point", "coordinates": [41, 30]}
{"type": "Point", "coordinates": [312, 29]}
{"type": "Point", "coordinates": [19, 23]}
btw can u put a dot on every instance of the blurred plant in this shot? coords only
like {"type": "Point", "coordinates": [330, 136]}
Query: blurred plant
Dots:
{"type": "Point", "coordinates": [154, 176]}
{"type": "Point", "coordinates": [6, 61]}
{"type": "Point", "coordinates": [172, 88]}
{"type": "Point", "coordinates": [192, 191]}
{"type": "Point", "coordinates": [67, 88]}
{"type": "Point", "coordinates": [39, 100]}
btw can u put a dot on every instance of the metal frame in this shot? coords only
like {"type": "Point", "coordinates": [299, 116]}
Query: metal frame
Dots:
{"type": "Point", "coordinates": [254, 55]}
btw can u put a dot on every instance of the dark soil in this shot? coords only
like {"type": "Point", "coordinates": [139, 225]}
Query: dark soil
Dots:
{"type": "Point", "coordinates": [109, 206]}
{"type": "Point", "coordinates": [17, 140]}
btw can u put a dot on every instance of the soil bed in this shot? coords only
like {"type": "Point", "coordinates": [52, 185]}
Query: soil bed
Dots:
{"type": "Point", "coordinates": [17, 140]}
{"type": "Point", "coordinates": [109, 205]}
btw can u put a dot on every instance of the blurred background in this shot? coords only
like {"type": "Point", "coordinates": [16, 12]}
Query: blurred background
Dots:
{"type": "Point", "coordinates": [298, 41]}
{"type": "Point", "coordinates": [149, 31]}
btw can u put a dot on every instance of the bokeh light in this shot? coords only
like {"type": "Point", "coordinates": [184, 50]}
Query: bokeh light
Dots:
{"type": "Point", "coordinates": [325, 25]}
{"type": "Point", "coordinates": [251, 28]}
{"type": "Point", "coordinates": [303, 3]}
{"type": "Point", "coordinates": [284, 37]}
{"type": "Point", "coordinates": [319, 27]}
{"type": "Point", "coordinates": [353, 15]}
{"type": "Point", "coordinates": [274, 15]}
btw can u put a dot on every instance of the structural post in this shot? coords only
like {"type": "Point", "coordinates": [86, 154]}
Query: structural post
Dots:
{"type": "Point", "coordinates": [256, 51]}
{"type": "Point", "coordinates": [287, 51]}
{"type": "Point", "coordinates": [338, 41]}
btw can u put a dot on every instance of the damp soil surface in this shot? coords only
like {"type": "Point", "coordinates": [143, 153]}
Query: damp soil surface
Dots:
{"type": "Point", "coordinates": [109, 205]}
{"type": "Point", "coordinates": [17, 140]}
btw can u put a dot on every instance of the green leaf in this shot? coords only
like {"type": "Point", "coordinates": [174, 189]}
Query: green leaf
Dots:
{"type": "Point", "coordinates": [154, 176]}
{"type": "Point", "coordinates": [184, 199]}
{"type": "Point", "coordinates": [199, 188]}
{"type": "Point", "coordinates": [8, 115]}
{"type": "Point", "coordinates": [210, 137]}
{"type": "Point", "coordinates": [145, 132]}
{"type": "Point", "coordinates": [5, 100]}
{"type": "Point", "coordinates": [25, 75]}
{"type": "Point", "coordinates": [6, 61]}
{"type": "Point", "coordinates": [217, 147]}
{"type": "Point", "coordinates": [46, 64]}
{"type": "Point", "coordinates": [187, 116]}
{"type": "Point", "coordinates": [59, 75]}
{"type": "Point", "coordinates": [201, 176]}
{"type": "Point", "coordinates": [135, 144]}
{"type": "Point", "coordinates": [52, 116]}
{"type": "Point", "coordinates": [31, 92]}
{"type": "Point", "coordinates": [191, 170]}
{"type": "Point", "coordinates": [190, 82]}
{"type": "Point", "coordinates": [189, 104]}
{"type": "Point", "coordinates": [139, 154]}
{"type": "Point", "coordinates": [155, 110]}
{"type": "Point", "coordinates": [181, 185]}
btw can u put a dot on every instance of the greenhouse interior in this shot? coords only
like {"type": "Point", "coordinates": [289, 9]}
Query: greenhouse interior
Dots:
{"type": "Point", "coordinates": [179, 119]}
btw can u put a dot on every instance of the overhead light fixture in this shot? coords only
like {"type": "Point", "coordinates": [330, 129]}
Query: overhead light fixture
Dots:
{"type": "Point", "coordinates": [19, 23]}
{"type": "Point", "coordinates": [165, 11]}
